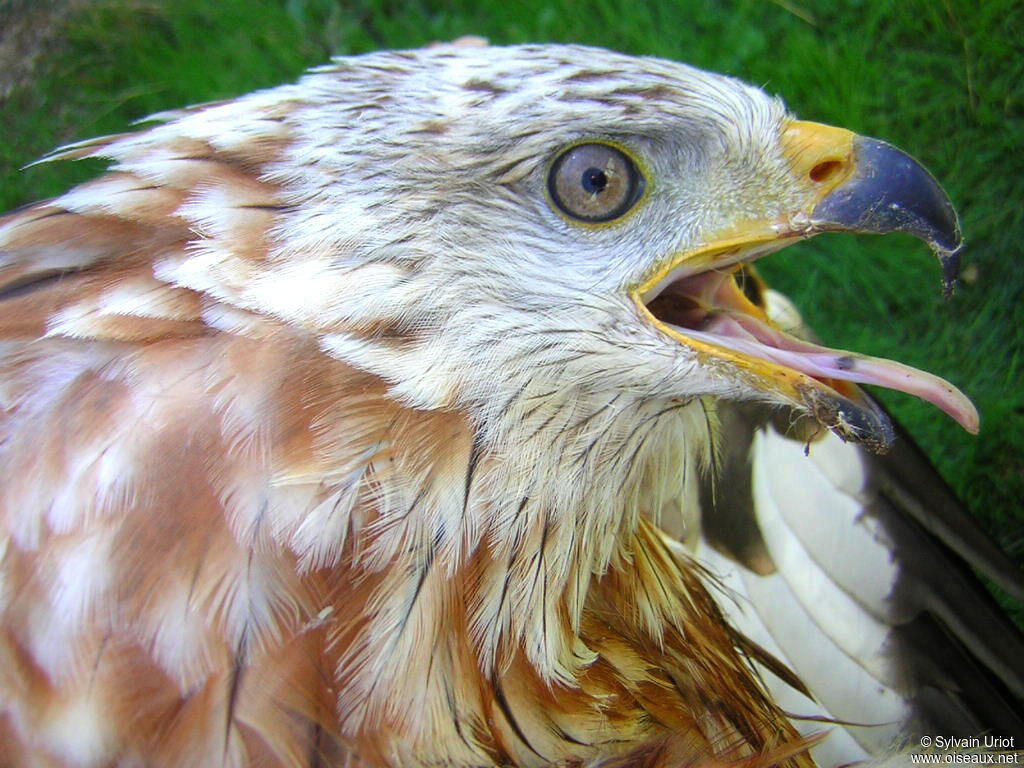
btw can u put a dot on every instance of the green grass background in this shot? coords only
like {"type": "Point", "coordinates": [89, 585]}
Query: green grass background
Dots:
{"type": "Point", "coordinates": [943, 79]}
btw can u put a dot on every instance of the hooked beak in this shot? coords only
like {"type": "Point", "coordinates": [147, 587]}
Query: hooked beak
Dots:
{"type": "Point", "coordinates": [889, 191]}
{"type": "Point", "coordinates": [855, 184]}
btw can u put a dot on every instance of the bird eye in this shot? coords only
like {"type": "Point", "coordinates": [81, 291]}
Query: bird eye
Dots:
{"type": "Point", "coordinates": [594, 182]}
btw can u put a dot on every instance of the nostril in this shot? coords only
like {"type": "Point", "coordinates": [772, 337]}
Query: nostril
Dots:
{"type": "Point", "coordinates": [825, 170]}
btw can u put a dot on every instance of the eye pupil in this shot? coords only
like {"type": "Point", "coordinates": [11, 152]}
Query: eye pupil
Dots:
{"type": "Point", "coordinates": [595, 181]}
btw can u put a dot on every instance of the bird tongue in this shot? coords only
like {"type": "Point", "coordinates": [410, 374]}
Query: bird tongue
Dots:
{"type": "Point", "coordinates": [722, 315]}
{"type": "Point", "coordinates": [749, 336]}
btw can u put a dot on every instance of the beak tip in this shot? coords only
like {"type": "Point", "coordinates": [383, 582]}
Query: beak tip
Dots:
{"type": "Point", "coordinates": [889, 191]}
{"type": "Point", "coordinates": [950, 261]}
{"type": "Point", "coordinates": [862, 422]}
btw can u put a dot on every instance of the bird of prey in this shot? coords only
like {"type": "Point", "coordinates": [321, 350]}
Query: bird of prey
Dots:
{"type": "Point", "coordinates": [397, 417]}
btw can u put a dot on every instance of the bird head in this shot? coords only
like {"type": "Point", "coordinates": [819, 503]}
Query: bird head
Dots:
{"type": "Point", "coordinates": [479, 226]}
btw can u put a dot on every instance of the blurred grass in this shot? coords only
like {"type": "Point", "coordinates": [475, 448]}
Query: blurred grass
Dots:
{"type": "Point", "coordinates": [944, 80]}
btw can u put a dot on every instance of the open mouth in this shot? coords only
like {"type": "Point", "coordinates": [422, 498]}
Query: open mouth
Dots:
{"type": "Point", "coordinates": [717, 309]}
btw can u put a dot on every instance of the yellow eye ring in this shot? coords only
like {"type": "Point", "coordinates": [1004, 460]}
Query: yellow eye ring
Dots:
{"type": "Point", "coordinates": [594, 182]}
